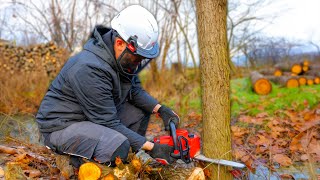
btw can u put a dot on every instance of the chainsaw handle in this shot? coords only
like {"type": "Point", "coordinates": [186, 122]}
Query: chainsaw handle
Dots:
{"type": "Point", "coordinates": [173, 134]}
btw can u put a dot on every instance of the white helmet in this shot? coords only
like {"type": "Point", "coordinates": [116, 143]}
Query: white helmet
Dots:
{"type": "Point", "coordinates": [138, 23]}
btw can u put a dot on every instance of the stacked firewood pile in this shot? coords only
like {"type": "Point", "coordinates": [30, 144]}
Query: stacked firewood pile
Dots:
{"type": "Point", "coordinates": [286, 75]}
{"type": "Point", "coordinates": [17, 59]}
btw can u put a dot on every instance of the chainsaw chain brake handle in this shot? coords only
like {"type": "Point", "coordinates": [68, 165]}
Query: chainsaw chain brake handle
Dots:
{"type": "Point", "coordinates": [180, 144]}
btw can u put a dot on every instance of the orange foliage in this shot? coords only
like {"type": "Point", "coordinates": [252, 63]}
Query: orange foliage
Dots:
{"type": "Point", "coordinates": [287, 139]}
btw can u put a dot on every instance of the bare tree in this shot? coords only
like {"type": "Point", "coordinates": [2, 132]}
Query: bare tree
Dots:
{"type": "Point", "coordinates": [317, 46]}
{"type": "Point", "coordinates": [67, 23]}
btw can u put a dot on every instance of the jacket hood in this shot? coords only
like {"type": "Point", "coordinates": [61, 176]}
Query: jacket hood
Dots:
{"type": "Point", "coordinates": [100, 43]}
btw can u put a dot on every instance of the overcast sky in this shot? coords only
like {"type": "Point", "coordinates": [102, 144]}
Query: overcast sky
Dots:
{"type": "Point", "coordinates": [297, 19]}
{"type": "Point", "coordinates": [300, 21]}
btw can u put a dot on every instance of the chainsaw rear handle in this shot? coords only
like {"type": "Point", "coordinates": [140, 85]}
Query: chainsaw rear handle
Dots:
{"type": "Point", "coordinates": [182, 154]}
{"type": "Point", "coordinates": [173, 133]}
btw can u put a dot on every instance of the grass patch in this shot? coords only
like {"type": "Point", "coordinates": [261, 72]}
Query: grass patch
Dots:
{"type": "Point", "coordinates": [243, 99]}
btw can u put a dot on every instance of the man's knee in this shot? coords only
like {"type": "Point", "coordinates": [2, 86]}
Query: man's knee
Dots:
{"type": "Point", "coordinates": [122, 151]}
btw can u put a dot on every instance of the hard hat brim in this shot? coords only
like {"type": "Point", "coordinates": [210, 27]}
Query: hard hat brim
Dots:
{"type": "Point", "coordinates": [151, 53]}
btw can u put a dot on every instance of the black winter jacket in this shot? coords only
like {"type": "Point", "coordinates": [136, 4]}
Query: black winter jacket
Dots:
{"type": "Point", "coordinates": [89, 88]}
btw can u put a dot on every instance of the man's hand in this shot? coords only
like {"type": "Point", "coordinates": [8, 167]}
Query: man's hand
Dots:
{"type": "Point", "coordinates": [161, 152]}
{"type": "Point", "coordinates": [168, 115]}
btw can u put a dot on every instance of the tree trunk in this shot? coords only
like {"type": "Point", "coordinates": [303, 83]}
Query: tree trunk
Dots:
{"type": "Point", "coordinates": [215, 82]}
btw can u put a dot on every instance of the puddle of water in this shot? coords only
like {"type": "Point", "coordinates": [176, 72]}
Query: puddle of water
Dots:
{"type": "Point", "coordinates": [297, 171]}
{"type": "Point", "coordinates": [23, 128]}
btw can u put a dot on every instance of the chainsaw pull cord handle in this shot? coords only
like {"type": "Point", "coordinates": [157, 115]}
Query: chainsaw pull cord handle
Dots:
{"type": "Point", "coordinates": [173, 134]}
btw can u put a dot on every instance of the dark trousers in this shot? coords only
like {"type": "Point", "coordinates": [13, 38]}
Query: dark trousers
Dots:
{"type": "Point", "coordinates": [96, 142]}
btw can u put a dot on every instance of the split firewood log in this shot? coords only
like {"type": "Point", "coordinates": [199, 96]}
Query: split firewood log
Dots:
{"type": "Point", "coordinates": [260, 84]}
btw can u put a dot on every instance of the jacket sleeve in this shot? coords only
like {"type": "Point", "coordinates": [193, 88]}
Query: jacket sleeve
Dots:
{"type": "Point", "coordinates": [140, 98]}
{"type": "Point", "coordinates": [93, 88]}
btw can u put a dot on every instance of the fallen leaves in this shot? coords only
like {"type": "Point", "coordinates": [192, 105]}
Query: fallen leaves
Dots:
{"type": "Point", "coordinates": [287, 137]}
{"type": "Point", "coordinates": [282, 159]}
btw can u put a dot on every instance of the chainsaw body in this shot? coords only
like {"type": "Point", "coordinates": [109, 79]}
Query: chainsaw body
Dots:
{"type": "Point", "coordinates": [186, 145]}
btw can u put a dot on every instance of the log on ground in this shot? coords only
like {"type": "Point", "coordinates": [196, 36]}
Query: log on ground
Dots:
{"type": "Point", "coordinates": [302, 80]}
{"type": "Point", "coordinates": [289, 74]}
{"type": "Point", "coordinates": [306, 80]}
{"type": "Point", "coordinates": [127, 171]}
{"type": "Point", "coordinates": [284, 81]}
{"type": "Point", "coordinates": [271, 72]}
{"type": "Point", "coordinates": [313, 73]}
{"type": "Point", "coordinates": [260, 84]}
{"type": "Point", "coordinates": [289, 66]}
{"type": "Point", "coordinates": [315, 67]}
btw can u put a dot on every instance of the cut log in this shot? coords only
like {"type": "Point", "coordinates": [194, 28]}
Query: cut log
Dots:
{"type": "Point", "coordinates": [305, 68]}
{"type": "Point", "coordinates": [315, 67]}
{"type": "Point", "coordinates": [310, 82]}
{"type": "Point", "coordinates": [284, 81]}
{"type": "Point", "coordinates": [260, 84]}
{"type": "Point", "coordinates": [306, 62]}
{"type": "Point", "coordinates": [292, 67]}
{"type": "Point", "coordinates": [271, 72]}
{"type": "Point", "coordinates": [93, 171]}
{"type": "Point", "coordinates": [89, 171]}
{"type": "Point", "coordinates": [317, 80]}
{"type": "Point", "coordinates": [277, 72]}
{"type": "Point", "coordinates": [288, 74]}
{"type": "Point", "coordinates": [313, 73]}
{"type": "Point", "coordinates": [296, 68]}
{"type": "Point", "coordinates": [306, 80]}
{"type": "Point", "coordinates": [302, 81]}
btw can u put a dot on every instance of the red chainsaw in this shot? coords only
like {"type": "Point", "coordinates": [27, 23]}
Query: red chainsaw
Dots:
{"type": "Point", "coordinates": [187, 147]}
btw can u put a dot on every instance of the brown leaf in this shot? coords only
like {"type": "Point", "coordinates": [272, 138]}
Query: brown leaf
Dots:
{"type": "Point", "coordinates": [238, 153]}
{"type": "Point", "coordinates": [276, 149]}
{"type": "Point", "coordinates": [263, 141]}
{"type": "Point", "coordinates": [261, 149]}
{"type": "Point", "coordinates": [238, 131]}
{"type": "Point", "coordinates": [295, 144]}
{"type": "Point", "coordinates": [32, 173]}
{"type": "Point", "coordinates": [246, 119]}
{"type": "Point", "coordinates": [262, 115]}
{"type": "Point", "coordinates": [304, 157]}
{"type": "Point", "coordinates": [282, 159]}
{"type": "Point", "coordinates": [1, 172]}
{"type": "Point", "coordinates": [309, 115]}
{"type": "Point", "coordinates": [309, 124]}
{"type": "Point", "coordinates": [314, 147]}
{"type": "Point", "coordinates": [194, 116]}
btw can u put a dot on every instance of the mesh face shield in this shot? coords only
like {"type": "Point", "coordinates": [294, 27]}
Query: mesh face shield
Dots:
{"type": "Point", "coordinates": [130, 62]}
